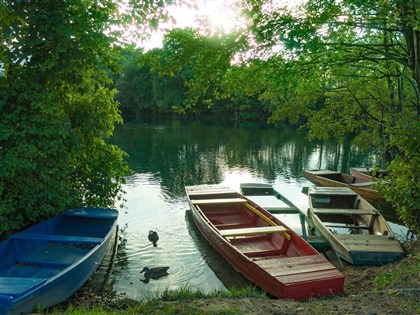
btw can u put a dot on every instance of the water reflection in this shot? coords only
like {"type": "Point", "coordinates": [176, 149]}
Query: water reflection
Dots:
{"type": "Point", "coordinates": [166, 157]}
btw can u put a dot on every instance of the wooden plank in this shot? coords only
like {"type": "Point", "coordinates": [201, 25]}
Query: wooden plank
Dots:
{"type": "Point", "coordinates": [374, 242]}
{"type": "Point", "coordinates": [217, 201]}
{"type": "Point", "coordinates": [331, 191]}
{"type": "Point", "coordinates": [345, 211]}
{"type": "Point", "coordinates": [252, 231]}
{"type": "Point", "coordinates": [297, 269]}
{"type": "Point", "coordinates": [290, 261]}
{"type": "Point", "coordinates": [282, 210]}
{"type": "Point", "coordinates": [348, 226]}
{"type": "Point", "coordinates": [321, 275]}
{"type": "Point", "coordinates": [300, 269]}
{"type": "Point", "coordinates": [363, 184]}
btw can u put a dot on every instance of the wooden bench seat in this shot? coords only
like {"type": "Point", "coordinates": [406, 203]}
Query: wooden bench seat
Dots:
{"type": "Point", "coordinates": [58, 238]}
{"type": "Point", "coordinates": [285, 210]}
{"type": "Point", "coordinates": [349, 226]}
{"type": "Point", "coordinates": [253, 231]}
{"type": "Point", "coordinates": [218, 201]}
{"type": "Point", "coordinates": [345, 211]}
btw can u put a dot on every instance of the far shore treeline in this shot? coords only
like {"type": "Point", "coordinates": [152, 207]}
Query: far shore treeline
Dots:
{"type": "Point", "coordinates": [68, 74]}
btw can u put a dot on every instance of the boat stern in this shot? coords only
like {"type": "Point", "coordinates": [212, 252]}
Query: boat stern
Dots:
{"type": "Point", "coordinates": [364, 258]}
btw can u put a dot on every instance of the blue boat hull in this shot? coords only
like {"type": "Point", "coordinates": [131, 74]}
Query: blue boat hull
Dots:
{"type": "Point", "coordinates": [47, 263]}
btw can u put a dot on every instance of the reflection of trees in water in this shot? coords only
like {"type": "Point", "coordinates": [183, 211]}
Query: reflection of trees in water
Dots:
{"type": "Point", "coordinates": [190, 154]}
{"type": "Point", "coordinates": [121, 259]}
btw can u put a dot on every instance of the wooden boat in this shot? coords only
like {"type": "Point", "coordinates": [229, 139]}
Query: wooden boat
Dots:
{"type": "Point", "coordinates": [274, 202]}
{"type": "Point", "coordinates": [329, 178]}
{"type": "Point", "coordinates": [357, 232]}
{"type": "Point", "coordinates": [47, 263]}
{"type": "Point", "coordinates": [259, 246]}
{"type": "Point", "coordinates": [363, 174]}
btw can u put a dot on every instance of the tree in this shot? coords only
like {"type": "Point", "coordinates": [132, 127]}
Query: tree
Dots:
{"type": "Point", "coordinates": [360, 59]}
{"type": "Point", "coordinates": [56, 110]}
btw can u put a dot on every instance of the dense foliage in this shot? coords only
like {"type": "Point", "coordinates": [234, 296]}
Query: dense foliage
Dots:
{"type": "Point", "coordinates": [356, 69]}
{"type": "Point", "coordinates": [57, 110]}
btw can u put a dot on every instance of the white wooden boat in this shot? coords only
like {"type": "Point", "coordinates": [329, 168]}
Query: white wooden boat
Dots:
{"type": "Point", "coordinates": [357, 232]}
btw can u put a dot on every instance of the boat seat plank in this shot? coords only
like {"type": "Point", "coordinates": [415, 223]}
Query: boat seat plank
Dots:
{"type": "Point", "coordinates": [252, 231]}
{"type": "Point", "coordinates": [211, 192]}
{"type": "Point", "coordinates": [58, 238]}
{"type": "Point", "coordinates": [348, 226]}
{"type": "Point", "coordinates": [336, 191]}
{"type": "Point", "coordinates": [345, 211]}
{"type": "Point", "coordinates": [218, 201]}
{"type": "Point", "coordinates": [18, 285]}
{"type": "Point", "coordinates": [281, 209]}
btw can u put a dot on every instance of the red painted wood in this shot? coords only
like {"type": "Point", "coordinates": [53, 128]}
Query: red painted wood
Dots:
{"type": "Point", "coordinates": [289, 269]}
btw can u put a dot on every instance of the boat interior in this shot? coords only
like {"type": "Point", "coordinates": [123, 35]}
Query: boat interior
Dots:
{"type": "Point", "coordinates": [246, 228]}
{"type": "Point", "coordinates": [49, 247]}
{"type": "Point", "coordinates": [345, 178]}
{"type": "Point", "coordinates": [342, 214]}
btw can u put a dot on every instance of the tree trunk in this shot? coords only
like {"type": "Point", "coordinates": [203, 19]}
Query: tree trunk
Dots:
{"type": "Point", "coordinates": [410, 24]}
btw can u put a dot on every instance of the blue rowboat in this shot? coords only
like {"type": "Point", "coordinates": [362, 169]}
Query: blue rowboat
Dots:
{"type": "Point", "coordinates": [47, 263]}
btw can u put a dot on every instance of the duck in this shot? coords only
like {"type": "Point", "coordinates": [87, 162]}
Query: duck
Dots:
{"type": "Point", "coordinates": [153, 237]}
{"type": "Point", "coordinates": [154, 273]}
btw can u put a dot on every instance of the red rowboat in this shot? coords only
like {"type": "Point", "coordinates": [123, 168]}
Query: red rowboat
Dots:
{"type": "Point", "coordinates": [259, 246]}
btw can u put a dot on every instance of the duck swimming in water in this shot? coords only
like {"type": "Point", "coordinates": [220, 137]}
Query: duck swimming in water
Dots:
{"type": "Point", "coordinates": [153, 237]}
{"type": "Point", "coordinates": [154, 273]}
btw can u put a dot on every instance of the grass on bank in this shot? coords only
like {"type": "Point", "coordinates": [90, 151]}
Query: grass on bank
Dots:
{"type": "Point", "coordinates": [181, 299]}
{"type": "Point", "coordinates": [400, 281]}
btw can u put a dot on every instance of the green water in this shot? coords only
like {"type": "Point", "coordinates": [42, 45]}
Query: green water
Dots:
{"type": "Point", "coordinates": [167, 156]}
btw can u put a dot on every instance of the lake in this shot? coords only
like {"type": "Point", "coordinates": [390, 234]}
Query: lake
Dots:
{"type": "Point", "coordinates": [167, 156]}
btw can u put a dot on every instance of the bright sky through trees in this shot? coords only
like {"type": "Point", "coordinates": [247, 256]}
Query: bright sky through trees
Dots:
{"type": "Point", "coordinates": [214, 16]}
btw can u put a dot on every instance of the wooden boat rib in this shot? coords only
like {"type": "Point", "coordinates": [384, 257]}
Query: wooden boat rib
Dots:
{"type": "Point", "coordinates": [47, 263]}
{"type": "Point", "coordinates": [259, 246]}
{"type": "Point", "coordinates": [357, 232]}
{"type": "Point", "coordinates": [329, 178]}
{"type": "Point", "coordinates": [276, 203]}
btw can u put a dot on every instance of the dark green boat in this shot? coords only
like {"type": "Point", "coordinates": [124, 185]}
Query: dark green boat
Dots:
{"type": "Point", "coordinates": [273, 201]}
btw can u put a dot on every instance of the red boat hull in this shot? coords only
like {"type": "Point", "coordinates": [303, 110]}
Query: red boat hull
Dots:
{"type": "Point", "coordinates": [285, 268]}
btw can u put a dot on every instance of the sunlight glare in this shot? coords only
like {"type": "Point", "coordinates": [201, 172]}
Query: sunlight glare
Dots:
{"type": "Point", "coordinates": [211, 17]}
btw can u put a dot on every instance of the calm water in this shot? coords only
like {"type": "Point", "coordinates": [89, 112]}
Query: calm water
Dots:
{"type": "Point", "coordinates": [165, 157]}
